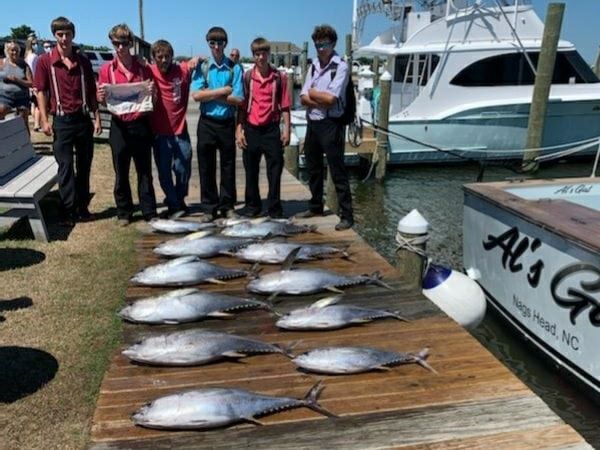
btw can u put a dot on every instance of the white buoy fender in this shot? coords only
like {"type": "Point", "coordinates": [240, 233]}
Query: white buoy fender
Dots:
{"type": "Point", "coordinates": [456, 294]}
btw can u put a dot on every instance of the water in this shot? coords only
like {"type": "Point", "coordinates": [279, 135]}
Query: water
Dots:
{"type": "Point", "coordinates": [436, 192]}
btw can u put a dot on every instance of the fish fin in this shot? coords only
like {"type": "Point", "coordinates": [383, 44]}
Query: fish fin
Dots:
{"type": "Point", "coordinates": [290, 258]}
{"type": "Point", "coordinates": [227, 253]}
{"type": "Point", "coordinates": [420, 360]}
{"type": "Point", "coordinates": [182, 260]}
{"type": "Point", "coordinates": [326, 301]}
{"type": "Point", "coordinates": [198, 235]}
{"type": "Point", "coordinates": [171, 322]}
{"type": "Point", "coordinates": [287, 349]}
{"type": "Point", "coordinates": [180, 292]}
{"type": "Point", "coordinates": [396, 315]}
{"type": "Point", "coordinates": [254, 421]}
{"type": "Point", "coordinates": [334, 289]}
{"type": "Point", "coordinates": [259, 220]}
{"type": "Point", "coordinates": [273, 298]}
{"type": "Point", "coordinates": [311, 397]}
{"type": "Point", "coordinates": [313, 229]}
{"type": "Point", "coordinates": [221, 314]}
{"type": "Point", "coordinates": [215, 281]}
{"type": "Point", "coordinates": [375, 278]}
{"type": "Point", "coordinates": [234, 354]}
{"type": "Point", "coordinates": [383, 368]}
{"type": "Point", "coordinates": [254, 271]}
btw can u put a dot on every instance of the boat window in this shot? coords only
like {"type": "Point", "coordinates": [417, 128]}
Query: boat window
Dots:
{"type": "Point", "coordinates": [404, 70]}
{"type": "Point", "coordinates": [91, 55]}
{"type": "Point", "coordinates": [513, 70]}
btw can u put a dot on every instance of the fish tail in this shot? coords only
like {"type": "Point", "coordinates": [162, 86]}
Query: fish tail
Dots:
{"type": "Point", "coordinates": [313, 229]}
{"type": "Point", "coordinates": [311, 400]}
{"type": "Point", "coordinates": [287, 349]}
{"type": "Point", "coordinates": [254, 271]}
{"type": "Point", "coordinates": [396, 315]}
{"type": "Point", "coordinates": [420, 359]}
{"type": "Point", "coordinates": [375, 278]}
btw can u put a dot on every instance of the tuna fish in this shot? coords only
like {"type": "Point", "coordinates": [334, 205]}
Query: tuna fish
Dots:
{"type": "Point", "coordinates": [267, 228]}
{"type": "Point", "coordinates": [201, 244]}
{"type": "Point", "coordinates": [327, 315]}
{"type": "Point", "coordinates": [277, 252]}
{"type": "Point", "coordinates": [347, 360]}
{"type": "Point", "coordinates": [307, 281]}
{"type": "Point", "coordinates": [219, 407]}
{"type": "Point", "coordinates": [187, 305]}
{"type": "Point", "coordinates": [196, 347]}
{"type": "Point", "coordinates": [179, 226]}
{"type": "Point", "coordinates": [185, 271]}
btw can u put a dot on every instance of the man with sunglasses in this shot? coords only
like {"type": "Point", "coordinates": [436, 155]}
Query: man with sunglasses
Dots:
{"type": "Point", "coordinates": [323, 96]}
{"type": "Point", "coordinates": [217, 85]}
{"type": "Point", "coordinates": [258, 130]}
{"type": "Point", "coordinates": [68, 79]}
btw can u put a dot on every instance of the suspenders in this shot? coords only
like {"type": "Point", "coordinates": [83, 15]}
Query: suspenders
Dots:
{"type": "Point", "coordinates": [59, 108]}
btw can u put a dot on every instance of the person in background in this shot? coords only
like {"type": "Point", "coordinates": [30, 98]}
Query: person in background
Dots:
{"type": "Point", "coordinates": [234, 55]}
{"type": "Point", "coordinates": [218, 88]}
{"type": "Point", "coordinates": [47, 47]}
{"type": "Point", "coordinates": [69, 81]}
{"type": "Point", "coordinates": [323, 94]}
{"type": "Point", "coordinates": [130, 134]}
{"type": "Point", "coordinates": [15, 82]}
{"type": "Point", "coordinates": [172, 146]}
{"type": "Point", "coordinates": [31, 57]}
{"type": "Point", "coordinates": [258, 130]}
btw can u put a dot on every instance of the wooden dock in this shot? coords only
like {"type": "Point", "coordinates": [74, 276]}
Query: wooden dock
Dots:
{"type": "Point", "coordinates": [474, 402]}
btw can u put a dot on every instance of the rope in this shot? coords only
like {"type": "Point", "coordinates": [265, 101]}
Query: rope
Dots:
{"type": "Point", "coordinates": [405, 243]}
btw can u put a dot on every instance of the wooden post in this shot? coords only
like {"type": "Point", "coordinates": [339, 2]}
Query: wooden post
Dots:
{"type": "Point", "coordinates": [330, 194]}
{"type": "Point", "coordinates": [411, 237]}
{"type": "Point", "coordinates": [349, 51]}
{"type": "Point", "coordinates": [290, 158]}
{"type": "Point", "coordinates": [376, 71]}
{"type": "Point", "coordinates": [381, 151]}
{"type": "Point", "coordinates": [597, 66]}
{"type": "Point", "coordinates": [304, 60]}
{"type": "Point", "coordinates": [543, 82]}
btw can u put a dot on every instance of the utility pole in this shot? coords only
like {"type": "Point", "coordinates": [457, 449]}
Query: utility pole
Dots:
{"type": "Point", "coordinates": [141, 13]}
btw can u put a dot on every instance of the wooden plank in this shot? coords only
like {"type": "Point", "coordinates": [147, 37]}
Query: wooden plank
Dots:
{"type": "Point", "coordinates": [15, 146]}
{"type": "Point", "coordinates": [27, 183]}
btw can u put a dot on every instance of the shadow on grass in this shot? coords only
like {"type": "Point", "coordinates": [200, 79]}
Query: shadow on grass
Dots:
{"type": "Point", "coordinates": [15, 303]}
{"type": "Point", "coordinates": [14, 258]}
{"type": "Point", "coordinates": [24, 371]}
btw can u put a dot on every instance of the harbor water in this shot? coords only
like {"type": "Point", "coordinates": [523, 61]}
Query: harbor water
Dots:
{"type": "Point", "coordinates": [436, 192]}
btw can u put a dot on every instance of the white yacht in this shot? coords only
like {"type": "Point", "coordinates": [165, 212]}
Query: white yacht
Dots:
{"type": "Point", "coordinates": [462, 81]}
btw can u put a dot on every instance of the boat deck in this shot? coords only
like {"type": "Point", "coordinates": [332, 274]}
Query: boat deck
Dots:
{"type": "Point", "coordinates": [474, 402]}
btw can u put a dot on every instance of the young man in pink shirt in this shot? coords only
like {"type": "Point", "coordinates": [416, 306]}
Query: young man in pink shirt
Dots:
{"type": "Point", "coordinates": [172, 146]}
{"type": "Point", "coordinates": [258, 130]}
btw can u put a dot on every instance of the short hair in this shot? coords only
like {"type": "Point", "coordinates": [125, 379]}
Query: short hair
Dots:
{"type": "Point", "coordinates": [62, 24]}
{"type": "Point", "coordinates": [324, 32]}
{"type": "Point", "coordinates": [161, 45]}
{"type": "Point", "coordinates": [216, 34]}
{"type": "Point", "coordinates": [121, 32]}
{"type": "Point", "coordinates": [260, 44]}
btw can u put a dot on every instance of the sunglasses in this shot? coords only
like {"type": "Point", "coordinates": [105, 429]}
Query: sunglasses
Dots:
{"type": "Point", "coordinates": [215, 42]}
{"type": "Point", "coordinates": [323, 45]}
{"type": "Point", "coordinates": [118, 44]}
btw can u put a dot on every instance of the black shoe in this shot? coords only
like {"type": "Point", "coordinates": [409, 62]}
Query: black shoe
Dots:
{"type": "Point", "coordinates": [149, 217]}
{"type": "Point", "coordinates": [85, 215]}
{"type": "Point", "coordinates": [276, 215]}
{"type": "Point", "coordinates": [68, 220]}
{"type": "Point", "coordinates": [248, 212]}
{"type": "Point", "coordinates": [177, 214]}
{"type": "Point", "coordinates": [344, 224]}
{"type": "Point", "coordinates": [308, 214]}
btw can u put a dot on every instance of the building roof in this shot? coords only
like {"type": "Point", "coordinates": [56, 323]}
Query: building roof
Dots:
{"type": "Point", "coordinates": [282, 47]}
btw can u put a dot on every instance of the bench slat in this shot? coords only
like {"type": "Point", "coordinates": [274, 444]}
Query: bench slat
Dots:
{"type": "Point", "coordinates": [24, 185]}
{"type": "Point", "coordinates": [15, 146]}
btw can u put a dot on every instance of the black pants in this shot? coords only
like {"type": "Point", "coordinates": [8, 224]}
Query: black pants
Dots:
{"type": "Point", "coordinates": [216, 135]}
{"type": "Point", "coordinates": [74, 130]}
{"type": "Point", "coordinates": [327, 136]}
{"type": "Point", "coordinates": [263, 140]}
{"type": "Point", "coordinates": [132, 140]}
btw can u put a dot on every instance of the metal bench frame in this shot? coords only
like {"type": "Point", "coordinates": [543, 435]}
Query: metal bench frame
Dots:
{"type": "Point", "coordinates": [25, 177]}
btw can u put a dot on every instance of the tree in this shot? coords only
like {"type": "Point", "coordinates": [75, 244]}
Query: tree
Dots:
{"type": "Point", "coordinates": [21, 32]}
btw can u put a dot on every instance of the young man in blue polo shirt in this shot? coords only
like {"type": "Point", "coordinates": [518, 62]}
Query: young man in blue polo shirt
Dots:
{"type": "Point", "coordinates": [323, 96]}
{"type": "Point", "coordinates": [217, 85]}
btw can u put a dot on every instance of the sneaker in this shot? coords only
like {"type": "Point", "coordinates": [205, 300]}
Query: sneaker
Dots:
{"type": "Point", "coordinates": [344, 224]}
{"type": "Point", "coordinates": [308, 214]}
{"type": "Point", "coordinates": [123, 221]}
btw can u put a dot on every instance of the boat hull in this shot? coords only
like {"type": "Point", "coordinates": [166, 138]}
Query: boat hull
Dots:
{"type": "Point", "coordinates": [544, 282]}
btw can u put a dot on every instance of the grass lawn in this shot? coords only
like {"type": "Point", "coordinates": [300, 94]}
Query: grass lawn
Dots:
{"type": "Point", "coordinates": [57, 319]}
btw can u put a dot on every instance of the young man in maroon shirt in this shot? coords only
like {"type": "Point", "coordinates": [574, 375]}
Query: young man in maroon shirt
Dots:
{"type": "Point", "coordinates": [68, 78]}
{"type": "Point", "coordinates": [258, 131]}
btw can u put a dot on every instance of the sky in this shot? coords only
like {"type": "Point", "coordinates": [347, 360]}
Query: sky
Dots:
{"type": "Point", "coordinates": [185, 22]}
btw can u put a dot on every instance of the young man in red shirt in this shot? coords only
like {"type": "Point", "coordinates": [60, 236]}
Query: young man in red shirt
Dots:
{"type": "Point", "coordinates": [68, 78]}
{"type": "Point", "coordinates": [172, 146]}
{"type": "Point", "coordinates": [130, 134]}
{"type": "Point", "coordinates": [258, 130]}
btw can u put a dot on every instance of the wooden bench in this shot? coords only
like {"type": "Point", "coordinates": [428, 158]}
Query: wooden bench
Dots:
{"type": "Point", "coordinates": [25, 178]}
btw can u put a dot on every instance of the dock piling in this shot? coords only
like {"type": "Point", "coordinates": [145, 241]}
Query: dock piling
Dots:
{"type": "Point", "coordinates": [411, 237]}
{"type": "Point", "coordinates": [541, 89]}
{"type": "Point", "coordinates": [381, 152]}
{"type": "Point", "coordinates": [376, 71]}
